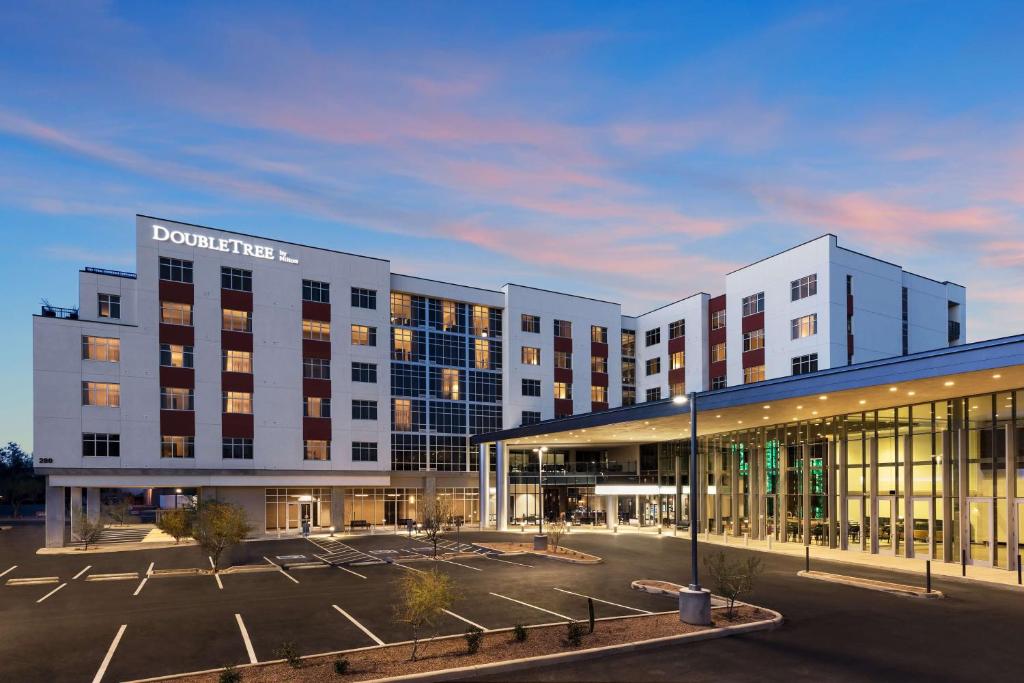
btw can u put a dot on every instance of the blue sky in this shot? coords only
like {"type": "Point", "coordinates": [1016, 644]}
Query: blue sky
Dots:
{"type": "Point", "coordinates": [631, 151]}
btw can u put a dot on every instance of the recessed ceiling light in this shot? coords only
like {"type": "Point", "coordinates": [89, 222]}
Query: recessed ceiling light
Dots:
{"type": "Point", "coordinates": [822, 397]}
{"type": "Point", "coordinates": [948, 383]}
{"type": "Point", "coordinates": [764, 417]}
{"type": "Point", "coordinates": [766, 407]}
{"type": "Point", "coordinates": [911, 393]}
{"type": "Point", "coordinates": [814, 412]}
{"type": "Point", "coordinates": [799, 407]}
{"type": "Point", "coordinates": [996, 376]}
{"type": "Point", "coordinates": [862, 401]}
{"type": "Point", "coordinates": [739, 421]}
{"type": "Point", "coordinates": [892, 388]}
{"type": "Point", "coordinates": [718, 416]}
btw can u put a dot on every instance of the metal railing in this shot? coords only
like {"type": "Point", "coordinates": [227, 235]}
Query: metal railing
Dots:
{"type": "Point", "coordinates": [112, 273]}
{"type": "Point", "coordinates": [49, 311]}
{"type": "Point", "coordinates": [954, 330]}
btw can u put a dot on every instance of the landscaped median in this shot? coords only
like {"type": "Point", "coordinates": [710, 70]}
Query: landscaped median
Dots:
{"type": "Point", "coordinates": [555, 553]}
{"type": "Point", "coordinates": [447, 658]}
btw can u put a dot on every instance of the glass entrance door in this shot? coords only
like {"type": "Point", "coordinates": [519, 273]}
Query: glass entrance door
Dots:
{"type": "Point", "coordinates": [856, 528]}
{"type": "Point", "coordinates": [923, 534]}
{"type": "Point", "coordinates": [980, 532]}
{"type": "Point", "coordinates": [294, 517]}
{"type": "Point", "coordinates": [771, 517]}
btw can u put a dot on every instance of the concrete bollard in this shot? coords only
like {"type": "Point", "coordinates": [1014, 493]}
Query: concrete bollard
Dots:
{"type": "Point", "coordinates": [746, 540]}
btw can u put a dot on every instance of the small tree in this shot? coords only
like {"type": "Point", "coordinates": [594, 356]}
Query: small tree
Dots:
{"type": "Point", "coordinates": [176, 523]}
{"type": "Point", "coordinates": [217, 526]}
{"type": "Point", "coordinates": [555, 531]}
{"type": "Point", "coordinates": [437, 513]}
{"type": "Point", "coordinates": [88, 531]}
{"type": "Point", "coordinates": [119, 511]}
{"type": "Point", "coordinates": [731, 579]}
{"type": "Point", "coordinates": [425, 597]}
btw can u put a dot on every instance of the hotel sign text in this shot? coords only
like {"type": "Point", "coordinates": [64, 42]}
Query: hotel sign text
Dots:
{"type": "Point", "coordinates": [228, 245]}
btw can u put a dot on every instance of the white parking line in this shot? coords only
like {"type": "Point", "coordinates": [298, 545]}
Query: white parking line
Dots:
{"type": "Point", "coordinates": [219, 584]}
{"type": "Point", "coordinates": [520, 564]}
{"type": "Point", "coordinates": [212, 565]}
{"type": "Point", "coordinates": [149, 571]}
{"type": "Point", "coordinates": [560, 616]}
{"type": "Point", "coordinates": [405, 566]}
{"type": "Point", "coordinates": [360, 626]}
{"type": "Point", "coordinates": [457, 564]}
{"type": "Point", "coordinates": [607, 602]}
{"type": "Point", "coordinates": [110, 653]}
{"type": "Point", "coordinates": [87, 567]}
{"type": "Point", "coordinates": [286, 574]}
{"type": "Point", "coordinates": [51, 593]}
{"type": "Point", "coordinates": [141, 584]}
{"type": "Point", "coordinates": [471, 623]}
{"type": "Point", "coordinates": [350, 571]}
{"type": "Point", "coordinates": [245, 638]}
{"type": "Point", "coordinates": [8, 571]}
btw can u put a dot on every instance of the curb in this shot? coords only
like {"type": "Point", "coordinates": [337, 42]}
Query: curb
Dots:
{"type": "Point", "coordinates": [527, 551]}
{"type": "Point", "coordinates": [898, 589]}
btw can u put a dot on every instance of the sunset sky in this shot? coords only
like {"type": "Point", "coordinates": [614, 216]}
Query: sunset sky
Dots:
{"type": "Point", "coordinates": [626, 151]}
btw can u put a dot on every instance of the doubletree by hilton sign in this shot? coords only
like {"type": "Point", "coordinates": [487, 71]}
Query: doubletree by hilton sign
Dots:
{"type": "Point", "coordinates": [227, 245]}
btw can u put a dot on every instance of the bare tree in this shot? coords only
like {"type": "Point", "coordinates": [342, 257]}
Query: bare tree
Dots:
{"type": "Point", "coordinates": [88, 531]}
{"type": "Point", "coordinates": [731, 579]}
{"type": "Point", "coordinates": [119, 511]}
{"type": "Point", "coordinates": [437, 518]}
{"type": "Point", "coordinates": [425, 597]}
{"type": "Point", "coordinates": [555, 531]}
{"type": "Point", "coordinates": [217, 526]}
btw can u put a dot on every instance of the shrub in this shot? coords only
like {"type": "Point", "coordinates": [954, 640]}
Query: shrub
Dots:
{"type": "Point", "coordinates": [519, 633]}
{"type": "Point", "coordinates": [474, 637]}
{"type": "Point", "coordinates": [230, 675]}
{"type": "Point", "coordinates": [341, 666]}
{"type": "Point", "coordinates": [176, 523]}
{"type": "Point", "coordinates": [731, 579]}
{"type": "Point", "coordinates": [217, 526]}
{"type": "Point", "coordinates": [425, 597]}
{"type": "Point", "coordinates": [574, 633]}
{"type": "Point", "coordinates": [289, 653]}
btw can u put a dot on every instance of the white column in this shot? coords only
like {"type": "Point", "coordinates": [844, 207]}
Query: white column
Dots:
{"type": "Point", "coordinates": [873, 474]}
{"type": "Point", "coordinates": [92, 504]}
{"type": "Point", "coordinates": [830, 492]}
{"type": "Point", "coordinates": [908, 498]}
{"type": "Point", "coordinates": [75, 510]}
{"type": "Point", "coordinates": [805, 488]}
{"type": "Point", "coordinates": [1011, 495]}
{"type": "Point", "coordinates": [484, 464]}
{"type": "Point", "coordinates": [611, 511]}
{"type": "Point", "coordinates": [947, 496]}
{"type": "Point", "coordinates": [501, 486]}
{"type": "Point", "coordinates": [54, 516]}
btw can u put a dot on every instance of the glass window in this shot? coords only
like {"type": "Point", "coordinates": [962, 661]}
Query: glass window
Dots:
{"type": "Point", "coordinates": [364, 410]}
{"type": "Point", "coordinates": [753, 374]}
{"type": "Point", "coordinates": [401, 309]}
{"type": "Point", "coordinates": [718, 382]}
{"type": "Point", "coordinates": [237, 402]}
{"type": "Point", "coordinates": [629, 371]}
{"type": "Point", "coordinates": [401, 414]}
{"type": "Point", "coordinates": [599, 364]}
{"type": "Point", "coordinates": [109, 306]}
{"type": "Point", "coordinates": [316, 330]}
{"type": "Point", "coordinates": [628, 396]}
{"type": "Point", "coordinates": [652, 337]}
{"type": "Point", "coordinates": [316, 406]}
{"type": "Point", "coordinates": [313, 449]}
{"type": "Point", "coordinates": [106, 394]}
{"type": "Point", "coordinates": [530, 417]}
{"type": "Point", "coordinates": [364, 372]}
{"type": "Point", "coordinates": [236, 321]}
{"type": "Point", "coordinates": [803, 287]}
{"type": "Point", "coordinates": [753, 340]}
{"type": "Point", "coordinates": [654, 394]}
{"type": "Point", "coordinates": [530, 355]}
{"type": "Point", "coordinates": [753, 304]}
{"type": "Point", "coordinates": [481, 321]}
{"type": "Point", "coordinates": [718, 352]}
{"type": "Point", "coordinates": [530, 323]}
{"type": "Point", "coordinates": [175, 398]}
{"type": "Point", "coordinates": [177, 446]}
{"type": "Point", "coordinates": [718, 319]}
{"type": "Point", "coordinates": [316, 368]}
{"type": "Point", "coordinates": [563, 390]}
{"type": "Point", "coordinates": [364, 298]}
{"type": "Point", "coordinates": [481, 354]}
{"type": "Point", "coordinates": [401, 344]}
{"type": "Point", "coordinates": [563, 360]}
{"type": "Point", "coordinates": [653, 366]}
{"type": "Point", "coordinates": [176, 356]}
{"type": "Point", "coordinates": [677, 389]}
{"type": "Point", "coordinates": [531, 387]}
{"type": "Point", "coordinates": [174, 313]}
{"type": "Point", "coordinates": [628, 343]}
{"type": "Point", "coordinates": [363, 335]}
{"type": "Point", "coordinates": [234, 448]}
{"type": "Point", "coordinates": [598, 394]}
{"type": "Point", "coordinates": [319, 292]}
{"type": "Point", "coordinates": [805, 364]}
{"type": "Point", "coordinates": [804, 326]}
{"type": "Point", "coordinates": [599, 334]}
{"type": "Point", "coordinates": [175, 270]}
{"type": "Point", "coordinates": [235, 279]}
{"type": "Point", "coordinates": [449, 380]}
{"type": "Point", "coordinates": [677, 361]}
{"type": "Point", "coordinates": [236, 361]}
{"type": "Point", "coordinates": [677, 329]}
{"type": "Point", "coordinates": [101, 445]}
{"type": "Point", "coordinates": [563, 328]}
{"type": "Point", "coordinates": [364, 451]}
{"type": "Point", "coordinates": [101, 348]}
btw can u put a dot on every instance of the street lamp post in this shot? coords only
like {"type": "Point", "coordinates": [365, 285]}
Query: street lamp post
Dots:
{"type": "Point", "coordinates": [694, 601]}
{"type": "Point", "coordinates": [540, 488]}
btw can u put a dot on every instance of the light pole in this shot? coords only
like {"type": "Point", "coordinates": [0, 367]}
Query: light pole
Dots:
{"type": "Point", "coordinates": [694, 602]}
{"type": "Point", "coordinates": [540, 488]}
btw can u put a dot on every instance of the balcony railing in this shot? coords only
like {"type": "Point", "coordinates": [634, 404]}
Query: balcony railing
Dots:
{"type": "Point", "coordinates": [49, 311]}
{"type": "Point", "coordinates": [954, 331]}
{"type": "Point", "coordinates": [112, 273]}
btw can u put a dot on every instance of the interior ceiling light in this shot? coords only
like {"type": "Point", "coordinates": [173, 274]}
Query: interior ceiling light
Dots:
{"type": "Point", "coordinates": [948, 383]}
{"type": "Point", "coordinates": [892, 388]}
{"type": "Point", "coordinates": [822, 397]}
{"type": "Point", "coordinates": [996, 376]}
{"type": "Point", "coordinates": [862, 401]}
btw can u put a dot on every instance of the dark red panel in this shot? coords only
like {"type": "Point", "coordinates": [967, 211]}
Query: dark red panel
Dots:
{"type": "Point", "coordinates": [716, 369]}
{"type": "Point", "coordinates": [321, 388]}
{"type": "Point", "coordinates": [598, 349]}
{"type": "Point", "coordinates": [312, 348]}
{"type": "Point", "coordinates": [849, 345]}
{"type": "Point", "coordinates": [178, 377]}
{"type": "Point", "coordinates": [177, 334]}
{"type": "Point", "coordinates": [753, 322]}
{"type": "Point", "coordinates": [177, 423]}
{"type": "Point", "coordinates": [237, 425]}
{"type": "Point", "coordinates": [563, 375]}
{"type": "Point", "coordinates": [312, 310]}
{"type": "Point", "coordinates": [849, 305]}
{"type": "Point", "coordinates": [179, 292]}
{"type": "Point", "coordinates": [236, 381]}
{"type": "Point", "coordinates": [239, 301]}
{"type": "Point", "coordinates": [316, 428]}
{"type": "Point", "coordinates": [599, 379]}
{"type": "Point", "coordinates": [676, 376]}
{"type": "Point", "coordinates": [677, 344]}
{"type": "Point", "coordinates": [563, 344]}
{"type": "Point", "coordinates": [716, 303]}
{"type": "Point", "coordinates": [563, 407]}
{"type": "Point", "coordinates": [753, 358]}
{"type": "Point", "coordinates": [235, 341]}
{"type": "Point", "coordinates": [595, 406]}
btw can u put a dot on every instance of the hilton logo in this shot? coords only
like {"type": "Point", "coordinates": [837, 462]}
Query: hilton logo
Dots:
{"type": "Point", "coordinates": [222, 244]}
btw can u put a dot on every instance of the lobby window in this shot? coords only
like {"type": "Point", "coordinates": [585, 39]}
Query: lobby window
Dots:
{"type": "Point", "coordinates": [803, 287]}
{"type": "Point", "coordinates": [677, 389]}
{"type": "Point", "coordinates": [236, 361]}
{"type": "Point", "coordinates": [363, 335]}
{"type": "Point", "coordinates": [753, 374]}
{"type": "Point", "coordinates": [401, 309]}
{"type": "Point", "coordinates": [652, 337]}
{"type": "Point", "coordinates": [718, 352]}
{"type": "Point", "coordinates": [175, 270]}
{"type": "Point", "coordinates": [316, 368]}
{"type": "Point", "coordinates": [805, 364]}
{"type": "Point", "coordinates": [598, 394]}
{"type": "Point", "coordinates": [530, 323]}
{"type": "Point", "coordinates": [599, 334]}
{"type": "Point", "coordinates": [108, 306]}
{"type": "Point", "coordinates": [177, 446]}
{"type": "Point", "coordinates": [174, 313]}
{"type": "Point", "coordinates": [235, 279]}
{"type": "Point", "coordinates": [628, 396]}
{"type": "Point", "coordinates": [101, 445]}
{"type": "Point", "coordinates": [364, 298]}
{"type": "Point", "coordinates": [753, 340]}
{"type": "Point", "coordinates": [718, 320]}
{"type": "Point", "coordinates": [530, 355]}
{"type": "Point", "coordinates": [628, 343]}
{"type": "Point", "coordinates": [236, 321]}
{"type": "Point", "coordinates": [315, 291]}
{"type": "Point", "coordinates": [316, 330]}
{"type": "Point", "coordinates": [654, 394]}
{"type": "Point", "coordinates": [176, 356]}
{"type": "Point", "coordinates": [718, 382]}
{"type": "Point", "coordinates": [450, 384]}
{"type": "Point", "coordinates": [804, 326]}
{"type": "Point", "coordinates": [481, 321]}
{"type": "Point", "coordinates": [175, 398]}
{"type": "Point", "coordinates": [313, 449]}
{"type": "Point", "coordinates": [753, 304]}
{"type": "Point", "coordinates": [364, 372]}
{"type": "Point", "coordinates": [677, 329]}
{"type": "Point", "coordinates": [531, 387]}
{"type": "Point", "coordinates": [563, 390]}
{"type": "Point", "coordinates": [364, 410]}
{"type": "Point", "coordinates": [563, 360]}
{"type": "Point", "coordinates": [481, 354]}
{"type": "Point", "coordinates": [677, 360]}
{"type": "Point", "coordinates": [563, 328]}
{"type": "Point", "coordinates": [315, 406]}
{"type": "Point", "coordinates": [529, 417]}
{"type": "Point", "coordinates": [652, 366]}
{"type": "Point", "coordinates": [401, 344]}
{"type": "Point", "coordinates": [101, 348]}
{"type": "Point", "coordinates": [599, 364]}
{"type": "Point", "coordinates": [235, 448]}
{"type": "Point", "coordinates": [364, 451]}
{"type": "Point", "coordinates": [237, 402]}
{"type": "Point", "coordinates": [106, 394]}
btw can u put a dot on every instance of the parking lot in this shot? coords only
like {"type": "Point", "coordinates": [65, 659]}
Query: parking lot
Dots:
{"type": "Point", "coordinates": [141, 626]}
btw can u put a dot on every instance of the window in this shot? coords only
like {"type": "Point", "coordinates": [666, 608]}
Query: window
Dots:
{"type": "Point", "coordinates": [718, 382]}
{"type": "Point", "coordinates": [176, 356]}
{"type": "Point", "coordinates": [804, 287]}
{"type": "Point", "coordinates": [317, 330]}
{"type": "Point", "coordinates": [753, 340]}
{"type": "Point", "coordinates": [481, 354]}
{"type": "Point", "coordinates": [234, 448]}
{"type": "Point", "coordinates": [108, 306]}
{"type": "Point", "coordinates": [530, 417]}
{"type": "Point", "coordinates": [364, 372]}
{"type": "Point", "coordinates": [101, 348]}
{"type": "Point", "coordinates": [401, 344]}
{"type": "Point", "coordinates": [481, 321]}
{"type": "Point", "coordinates": [401, 414]}
{"type": "Point", "coordinates": [107, 394]}
{"type": "Point", "coordinates": [316, 450]}
{"type": "Point", "coordinates": [236, 321]}
{"type": "Point", "coordinates": [530, 323]}
{"type": "Point", "coordinates": [401, 309]}
{"type": "Point", "coordinates": [101, 445]}
{"type": "Point", "coordinates": [316, 368]}
{"type": "Point", "coordinates": [804, 326]}
{"type": "Point", "coordinates": [677, 389]}
{"type": "Point", "coordinates": [408, 380]}
{"type": "Point", "coordinates": [563, 328]}
{"type": "Point", "coordinates": [753, 374]}
{"type": "Point", "coordinates": [447, 417]}
{"type": "Point", "coordinates": [449, 384]}
{"type": "Point", "coordinates": [177, 446]}
{"type": "Point", "coordinates": [753, 304]}
{"type": "Point", "coordinates": [599, 364]}
{"type": "Point", "coordinates": [531, 387]}
{"type": "Point", "coordinates": [364, 451]}
{"type": "Point", "coordinates": [173, 313]}
{"type": "Point", "coordinates": [654, 394]}
{"type": "Point", "coordinates": [363, 335]}
{"type": "Point", "coordinates": [174, 398]}
{"type": "Point", "coordinates": [718, 319]}
{"type": "Point", "coordinates": [563, 390]}
{"type": "Point", "coordinates": [629, 396]}
{"type": "Point", "coordinates": [677, 329]}
{"type": "Point", "coordinates": [598, 394]}
{"type": "Point", "coordinates": [318, 292]}
{"type": "Point", "coordinates": [175, 270]}
{"type": "Point", "coordinates": [652, 337]}
{"type": "Point", "coordinates": [364, 298]}
{"type": "Point", "coordinates": [364, 410]}
{"type": "Point", "coordinates": [530, 355]}
{"type": "Point", "coordinates": [629, 371]}
{"type": "Point", "coordinates": [484, 387]}
{"type": "Point", "coordinates": [563, 360]}
{"type": "Point", "coordinates": [718, 353]}
{"type": "Point", "coordinates": [448, 312]}
{"type": "Point", "coordinates": [677, 360]}
{"type": "Point", "coordinates": [599, 334]}
{"type": "Point", "coordinates": [235, 279]}
{"type": "Point", "coordinates": [805, 364]}
{"type": "Point", "coordinates": [236, 361]}
{"type": "Point", "coordinates": [628, 343]}
{"type": "Point", "coordinates": [315, 406]}
{"type": "Point", "coordinates": [237, 402]}
{"type": "Point", "coordinates": [653, 366]}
